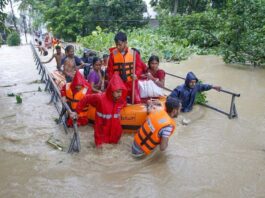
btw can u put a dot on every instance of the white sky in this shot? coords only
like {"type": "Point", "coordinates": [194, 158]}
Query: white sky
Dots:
{"type": "Point", "coordinates": [150, 10]}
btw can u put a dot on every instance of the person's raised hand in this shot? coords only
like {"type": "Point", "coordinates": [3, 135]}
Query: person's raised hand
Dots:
{"type": "Point", "coordinates": [217, 88]}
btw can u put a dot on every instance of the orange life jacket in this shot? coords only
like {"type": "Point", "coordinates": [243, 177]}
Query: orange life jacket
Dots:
{"type": "Point", "coordinates": [73, 99]}
{"type": "Point", "coordinates": [123, 64]}
{"type": "Point", "coordinates": [147, 137]}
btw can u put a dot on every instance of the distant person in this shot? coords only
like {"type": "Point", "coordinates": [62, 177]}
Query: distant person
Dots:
{"type": "Point", "coordinates": [59, 55]}
{"type": "Point", "coordinates": [43, 51]}
{"type": "Point", "coordinates": [56, 42]}
{"type": "Point", "coordinates": [157, 129]}
{"type": "Point", "coordinates": [187, 91]}
{"type": "Point", "coordinates": [107, 128]}
{"type": "Point", "coordinates": [95, 77]}
{"type": "Point", "coordinates": [47, 41]}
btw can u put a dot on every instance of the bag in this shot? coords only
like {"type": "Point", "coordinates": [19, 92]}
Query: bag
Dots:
{"type": "Point", "coordinates": [87, 69]}
{"type": "Point", "coordinates": [149, 89]}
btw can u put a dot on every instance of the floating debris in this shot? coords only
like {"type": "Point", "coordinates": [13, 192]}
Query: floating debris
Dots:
{"type": "Point", "coordinates": [9, 85]}
{"type": "Point", "coordinates": [11, 95]}
{"type": "Point", "coordinates": [56, 120]}
{"type": "Point", "coordinates": [186, 121]}
{"type": "Point", "coordinates": [35, 82]}
{"type": "Point", "coordinates": [19, 99]}
{"type": "Point", "coordinates": [55, 143]}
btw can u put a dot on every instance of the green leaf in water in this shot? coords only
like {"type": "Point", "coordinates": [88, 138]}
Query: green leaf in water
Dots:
{"type": "Point", "coordinates": [19, 99]}
{"type": "Point", "coordinates": [201, 97]}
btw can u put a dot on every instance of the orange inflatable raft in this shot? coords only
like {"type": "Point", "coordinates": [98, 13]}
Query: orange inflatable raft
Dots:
{"type": "Point", "coordinates": [132, 116]}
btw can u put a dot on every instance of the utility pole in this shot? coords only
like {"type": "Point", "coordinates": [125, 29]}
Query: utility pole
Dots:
{"type": "Point", "coordinates": [176, 2]}
{"type": "Point", "coordinates": [13, 15]}
{"type": "Point", "coordinates": [24, 26]}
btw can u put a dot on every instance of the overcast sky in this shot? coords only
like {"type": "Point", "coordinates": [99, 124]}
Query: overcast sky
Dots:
{"type": "Point", "coordinates": [150, 10]}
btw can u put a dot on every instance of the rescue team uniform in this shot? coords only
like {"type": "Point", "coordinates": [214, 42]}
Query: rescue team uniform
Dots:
{"type": "Point", "coordinates": [73, 97]}
{"type": "Point", "coordinates": [157, 125]}
{"type": "Point", "coordinates": [122, 63]}
{"type": "Point", "coordinates": [107, 128]}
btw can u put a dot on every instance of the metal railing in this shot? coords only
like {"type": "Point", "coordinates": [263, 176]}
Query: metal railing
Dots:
{"type": "Point", "coordinates": [62, 107]}
{"type": "Point", "coordinates": [232, 111]}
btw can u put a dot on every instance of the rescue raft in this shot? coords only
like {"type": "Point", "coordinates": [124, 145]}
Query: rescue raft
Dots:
{"type": "Point", "coordinates": [132, 116]}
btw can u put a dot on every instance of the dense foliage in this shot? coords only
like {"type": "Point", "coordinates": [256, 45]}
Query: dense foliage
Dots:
{"type": "Point", "coordinates": [234, 29]}
{"type": "Point", "coordinates": [186, 7]}
{"type": "Point", "coordinates": [242, 34]}
{"type": "Point", "coordinates": [147, 41]}
{"type": "Point", "coordinates": [13, 39]}
{"type": "Point", "coordinates": [68, 19]}
{"type": "Point", "coordinates": [3, 3]}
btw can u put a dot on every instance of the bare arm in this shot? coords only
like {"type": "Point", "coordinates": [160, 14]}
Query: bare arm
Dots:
{"type": "Point", "coordinates": [81, 66]}
{"type": "Point", "coordinates": [160, 83]}
{"type": "Point", "coordinates": [94, 87]}
{"type": "Point", "coordinates": [49, 59]}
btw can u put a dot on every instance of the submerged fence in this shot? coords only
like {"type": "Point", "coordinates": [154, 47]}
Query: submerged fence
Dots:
{"type": "Point", "coordinates": [61, 106]}
{"type": "Point", "coordinates": [232, 111]}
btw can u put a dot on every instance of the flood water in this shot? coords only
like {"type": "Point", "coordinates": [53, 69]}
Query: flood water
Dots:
{"type": "Point", "coordinates": [211, 157]}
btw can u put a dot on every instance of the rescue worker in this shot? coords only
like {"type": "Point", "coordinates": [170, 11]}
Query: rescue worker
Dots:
{"type": "Point", "coordinates": [121, 61]}
{"type": "Point", "coordinates": [72, 93]}
{"type": "Point", "coordinates": [107, 128]}
{"type": "Point", "coordinates": [187, 91]}
{"type": "Point", "coordinates": [157, 129]}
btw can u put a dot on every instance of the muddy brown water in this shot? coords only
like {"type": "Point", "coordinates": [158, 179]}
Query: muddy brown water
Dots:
{"type": "Point", "coordinates": [211, 157]}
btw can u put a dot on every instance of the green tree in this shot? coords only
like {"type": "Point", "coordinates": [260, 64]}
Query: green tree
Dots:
{"type": "Point", "coordinates": [71, 18]}
{"type": "Point", "coordinates": [198, 29]}
{"type": "Point", "coordinates": [186, 6]}
{"type": "Point", "coordinates": [243, 30]}
{"type": "Point", "coordinates": [3, 3]}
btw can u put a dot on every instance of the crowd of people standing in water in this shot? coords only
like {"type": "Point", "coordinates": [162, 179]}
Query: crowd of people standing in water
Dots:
{"type": "Point", "coordinates": [113, 81]}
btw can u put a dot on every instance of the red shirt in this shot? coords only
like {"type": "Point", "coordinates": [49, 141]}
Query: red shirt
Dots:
{"type": "Point", "coordinates": [160, 74]}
